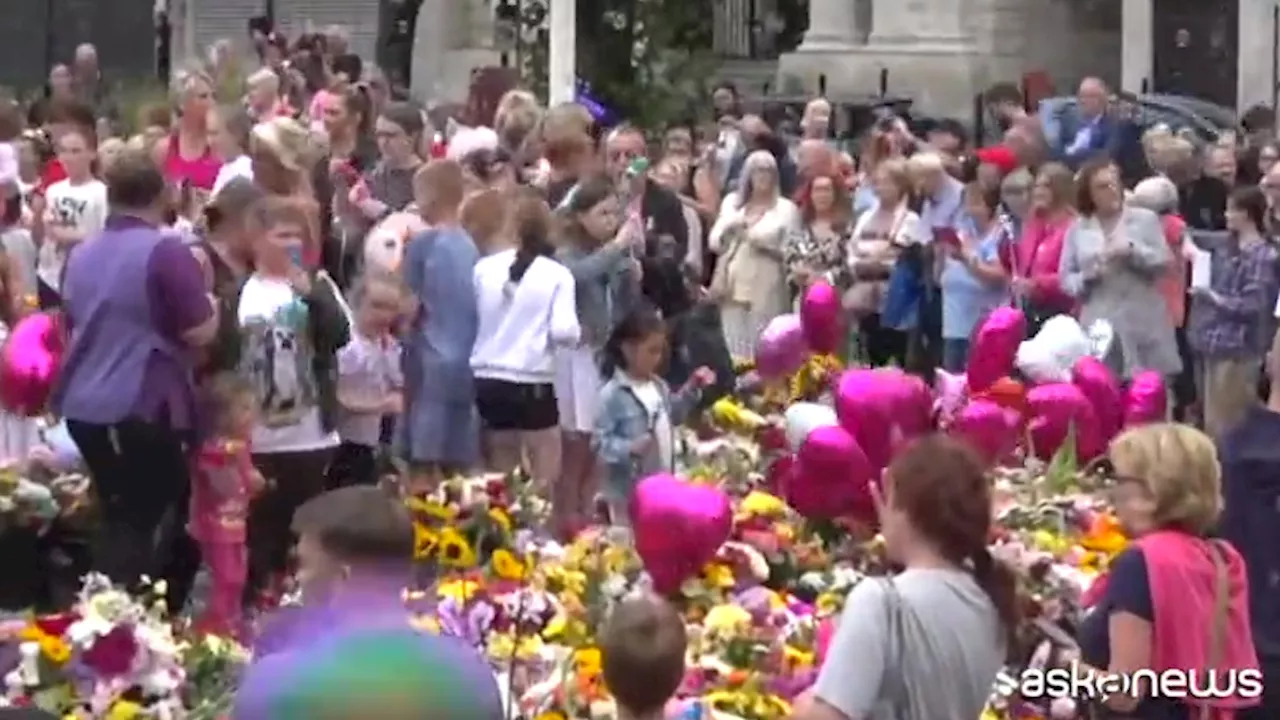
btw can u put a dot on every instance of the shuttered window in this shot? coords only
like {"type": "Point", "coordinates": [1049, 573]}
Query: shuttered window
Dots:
{"type": "Point", "coordinates": [359, 17]}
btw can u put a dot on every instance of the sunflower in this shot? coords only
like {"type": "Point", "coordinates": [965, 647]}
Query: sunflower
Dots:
{"type": "Point", "coordinates": [431, 509]}
{"type": "Point", "coordinates": [507, 566]}
{"type": "Point", "coordinates": [55, 649]}
{"type": "Point", "coordinates": [459, 591]}
{"type": "Point", "coordinates": [455, 551]}
{"type": "Point", "coordinates": [124, 710]}
{"type": "Point", "coordinates": [501, 519]}
{"type": "Point", "coordinates": [425, 541]}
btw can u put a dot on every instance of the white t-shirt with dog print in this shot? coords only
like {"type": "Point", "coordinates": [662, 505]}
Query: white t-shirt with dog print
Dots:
{"type": "Point", "coordinates": [276, 355]}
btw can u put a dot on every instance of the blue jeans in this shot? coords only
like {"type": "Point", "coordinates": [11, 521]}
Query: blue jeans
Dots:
{"type": "Point", "coordinates": [955, 354]}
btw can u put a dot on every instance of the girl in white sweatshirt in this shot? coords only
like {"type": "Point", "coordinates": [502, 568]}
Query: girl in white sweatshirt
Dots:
{"type": "Point", "coordinates": [525, 301]}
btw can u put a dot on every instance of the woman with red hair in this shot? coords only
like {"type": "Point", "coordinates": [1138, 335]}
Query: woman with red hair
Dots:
{"type": "Point", "coordinates": [817, 251]}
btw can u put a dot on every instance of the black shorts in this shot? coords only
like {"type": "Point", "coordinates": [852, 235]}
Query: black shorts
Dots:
{"type": "Point", "coordinates": [504, 405]}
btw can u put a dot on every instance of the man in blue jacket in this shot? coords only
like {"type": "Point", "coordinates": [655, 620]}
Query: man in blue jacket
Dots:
{"type": "Point", "coordinates": [1250, 457]}
{"type": "Point", "coordinates": [1088, 129]}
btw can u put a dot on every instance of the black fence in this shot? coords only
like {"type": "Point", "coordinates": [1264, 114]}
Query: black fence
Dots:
{"type": "Point", "coordinates": [36, 34]}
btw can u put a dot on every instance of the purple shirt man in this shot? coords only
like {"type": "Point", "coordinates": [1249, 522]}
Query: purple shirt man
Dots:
{"type": "Point", "coordinates": [129, 295]}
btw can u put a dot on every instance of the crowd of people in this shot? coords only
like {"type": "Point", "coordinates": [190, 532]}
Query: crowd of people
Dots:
{"type": "Point", "coordinates": [254, 358]}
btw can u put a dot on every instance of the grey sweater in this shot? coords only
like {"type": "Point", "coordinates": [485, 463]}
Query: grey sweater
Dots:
{"type": "Point", "coordinates": [604, 287]}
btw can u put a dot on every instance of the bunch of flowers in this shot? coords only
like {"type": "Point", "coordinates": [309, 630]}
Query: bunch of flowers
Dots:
{"type": "Point", "coordinates": [116, 656]}
{"type": "Point", "coordinates": [32, 497]}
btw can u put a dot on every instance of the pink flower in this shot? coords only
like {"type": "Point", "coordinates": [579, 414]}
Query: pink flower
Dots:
{"type": "Point", "coordinates": [112, 654]}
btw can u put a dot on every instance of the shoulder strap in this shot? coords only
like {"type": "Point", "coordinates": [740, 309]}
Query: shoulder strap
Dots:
{"type": "Point", "coordinates": [323, 276]}
{"type": "Point", "coordinates": [895, 667]}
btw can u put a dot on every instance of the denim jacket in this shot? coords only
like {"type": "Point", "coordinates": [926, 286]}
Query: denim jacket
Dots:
{"type": "Point", "coordinates": [621, 419]}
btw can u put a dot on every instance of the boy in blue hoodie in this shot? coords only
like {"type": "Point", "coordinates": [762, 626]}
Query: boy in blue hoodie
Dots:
{"type": "Point", "coordinates": [1250, 457]}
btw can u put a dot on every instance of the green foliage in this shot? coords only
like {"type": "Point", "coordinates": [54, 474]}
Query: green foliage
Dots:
{"type": "Point", "coordinates": [650, 60]}
{"type": "Point", "coordinates": [134, 97]}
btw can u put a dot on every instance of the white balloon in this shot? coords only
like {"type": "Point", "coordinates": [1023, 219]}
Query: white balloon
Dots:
{"type": "Point", "coordinates": [1050, 355]}
{"type": "Point", "coordinates": [805, 417]}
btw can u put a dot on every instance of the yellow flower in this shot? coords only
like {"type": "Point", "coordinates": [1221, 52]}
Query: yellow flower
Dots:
{"type": "Point", "coordinates": [725, 700]}
{"type": "Point", "coordinates": [726, 617]}
{"type": "Point", "coordinates": [507, 566]}
{"type": "Point", "coordinates": [501, 518]}
{"type": "Point", "coordinates": [431, 509]}
{"type": "Point", "coordinates": [588, 661]}
{"type": "Point", "coordinates": [552, 715]}
{"type": "Point", "coordinates": [718, 575]}
{"type": "Point", "coordinates": [459, 591]}
{"type": "Point", "coordinates": [501, 646]}
{"type": "Point", "coordinates": [425, 623]}
{"type": "Point", "coordinates": [455, 551]}
{"type": "Point", "coordinates": [828, 603]}
{"type": "Point", "coordinates": [55, 648]}
{"type": "Point", "coordinates": [425, 541]}
{"type": "Point", "coordinates": [763, 504]}
{"type": "Point", "coordinates": [124, 710]}
{"type": "Point", "coordinates": [556, 626]}
{"type": "Point", "coordinates": [797, 658]}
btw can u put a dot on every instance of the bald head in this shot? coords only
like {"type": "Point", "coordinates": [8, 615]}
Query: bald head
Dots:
{"type": "Point", "coordinates": [1093, 96]}
{"type": "Point", "coordinates": [753, 126]}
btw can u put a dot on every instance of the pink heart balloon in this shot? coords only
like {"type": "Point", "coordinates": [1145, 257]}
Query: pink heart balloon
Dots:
{"type": "Point", "coordinates": [1099, 384]}
{"type": "Point", "coordinates": [820, 314]}
{"type": "Point", "coordinates": [990, 429]}
{"type": "Point", "coordinates": [831, 476]}
{"type": "Point", "coordinates": [880, 409]}
{"type": "Point", "coordinates": [1146, 400]}
{"type": "Point", "coordinates": [781, 349]}
{"type": "Point", "coordinates": [678, 527]}
{"type": "Point", "coordinates": [1055, 411]}
{"type": "Point", "coordinates": [995, 347]}
{"type": "Point", "coordinates": [29, 364]}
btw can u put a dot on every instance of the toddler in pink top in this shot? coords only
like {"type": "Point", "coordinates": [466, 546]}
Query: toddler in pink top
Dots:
{"type": "Point", "coordinates": [223, 482]}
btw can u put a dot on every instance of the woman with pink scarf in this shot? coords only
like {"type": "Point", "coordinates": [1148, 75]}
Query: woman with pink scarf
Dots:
{"type": "Point", "coordinates": [1176, 600]}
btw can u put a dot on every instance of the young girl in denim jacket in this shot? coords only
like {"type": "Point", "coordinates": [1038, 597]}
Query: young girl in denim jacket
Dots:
{"type": "Point", "coordinates": [638, 413]}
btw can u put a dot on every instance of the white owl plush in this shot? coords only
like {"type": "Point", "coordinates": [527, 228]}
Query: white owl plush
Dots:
{"type": "Point", "coordinates": [384, 245]}
{"type": "Point", "coordinates": [467, 140]}
{"type": "Point", "coordinates": [1049, 356]}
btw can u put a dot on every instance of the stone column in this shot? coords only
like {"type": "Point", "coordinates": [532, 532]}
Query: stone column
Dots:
{"type": "Point", "coordinates": [562, 69]}
{"type": "Point", "coordinates": [832, 26]}
{"type": "Point", "coordinates": [1136, 54]}
{"type": "Point", "coordinates": [919, 22]}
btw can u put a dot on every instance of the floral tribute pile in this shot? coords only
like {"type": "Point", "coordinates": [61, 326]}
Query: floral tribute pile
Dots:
{"type": "Point", "coordinates": [755, 612]}
{"type": "Point", "coordinates": [758, 575]}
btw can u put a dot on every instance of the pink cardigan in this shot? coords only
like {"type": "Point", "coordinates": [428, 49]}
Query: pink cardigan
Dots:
{"type": "Point", "coordinates": [1038, 254]}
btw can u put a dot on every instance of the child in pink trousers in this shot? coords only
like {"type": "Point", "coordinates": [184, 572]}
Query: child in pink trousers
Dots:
{"type": "Point", "coordinates": [223, 483]}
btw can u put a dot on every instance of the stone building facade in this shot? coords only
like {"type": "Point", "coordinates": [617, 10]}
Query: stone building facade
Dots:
{"type": "Point", "coordinates": [943, 52]}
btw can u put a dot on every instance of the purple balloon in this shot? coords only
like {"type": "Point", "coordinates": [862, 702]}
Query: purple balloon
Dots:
{"type": "Point", "coordinates": [1056, 411]}
{"type": "Point", "coordinates": [781, 350]}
